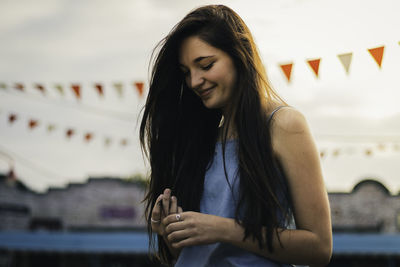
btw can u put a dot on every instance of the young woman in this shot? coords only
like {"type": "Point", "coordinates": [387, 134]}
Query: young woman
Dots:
{"type": "Point", "coordinates": [235, 174]}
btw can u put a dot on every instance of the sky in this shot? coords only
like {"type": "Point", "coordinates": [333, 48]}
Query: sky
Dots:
{"type": "Point", "coordinates": [97, 41]}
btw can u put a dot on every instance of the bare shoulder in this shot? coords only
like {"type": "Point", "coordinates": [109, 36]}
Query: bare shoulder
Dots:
{"type": "Point", "coordinates": [288, 120]}
{"type": "Point", "coordinates": [290, 133]}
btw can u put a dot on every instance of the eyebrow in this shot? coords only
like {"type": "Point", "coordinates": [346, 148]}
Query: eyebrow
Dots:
{"type": "Point", "coordinates": [198, 59]}
{"type": "Point", "coordinates": [201, 58]}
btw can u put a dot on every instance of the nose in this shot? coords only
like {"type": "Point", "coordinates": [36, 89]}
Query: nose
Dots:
{"type": "Point", "coordinates": [195, 80]}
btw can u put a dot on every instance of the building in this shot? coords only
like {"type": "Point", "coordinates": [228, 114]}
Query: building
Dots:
{"type": "Point", "coordinates": [101, 223]}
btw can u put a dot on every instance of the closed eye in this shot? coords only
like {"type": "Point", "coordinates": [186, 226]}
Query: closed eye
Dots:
{"type": "Point", "coordinates": [209, 66]}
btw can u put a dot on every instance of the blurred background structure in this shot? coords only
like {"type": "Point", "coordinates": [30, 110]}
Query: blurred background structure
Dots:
{"type": "Point", "coordinates": [74, 77]}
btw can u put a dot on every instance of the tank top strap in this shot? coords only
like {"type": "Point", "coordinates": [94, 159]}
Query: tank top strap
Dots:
{"type": "Point", "coordinates": [273, 112]}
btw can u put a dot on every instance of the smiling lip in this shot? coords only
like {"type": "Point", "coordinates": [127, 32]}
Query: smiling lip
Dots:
{"type": "Point", "coordinates": [206, 92]}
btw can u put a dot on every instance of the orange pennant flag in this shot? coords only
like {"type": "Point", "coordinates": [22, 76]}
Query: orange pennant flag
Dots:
{"type": "Point", "coordinates": [377, 54]}
{"type": "Point", "coordinates": [70, 133]}
{"type": "Point", "coordinates": [77, 90]}
{"type": "Point", "coordinates": [40, 87]}
{"type": "Point", "coordinates": [124, 142]}
{"type": "Point", "coordinates": [99, 88]}
{"type": "Point", "coordinates": [314, 64]}
{"type": "Point", "coordinates": [19, 86]}
{"type": "Point", "coordinates": [139, 87]}
{"type": "Point", "coordinates": [287, 70]}
{"type": "Point", "coordinates": [118, 87]}
{"type": "Point", "coordinates": [12, 118]}
{"type": "Point", "coordinates": [88, 137]}
{"type": "Point", "coordinates": [33, 124]}
{"type": "Point", "coordinates": [345, 59]}
{"type": "Point", "coordinates": [59, 88]}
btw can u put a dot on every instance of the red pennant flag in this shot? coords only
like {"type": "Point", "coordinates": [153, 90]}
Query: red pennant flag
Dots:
{"type": "Point", "coordinates": [287, 70]}
{"type": "Point", "coordinates": [88, 137]}
{"type": "Point", "coordinates": [33, 124]}
{"type": "Point", "coordinates": [19, 86]}
{"type": "Point", "coordinates": [40, 87]}
{"type": "Point", "coordinates": [314, 64]}
{"type": "Point", "coordinates": [377, 54]}
{"type": "Point", "coordinates": [139, 87]}
{"type": "Point", "coordinates": [11, 118]}
{"type": "Point", "coordinates": [99, 88]}
{"type": "Point", "coordinates": [70, 133]}
{"type": "Point", "coordinates": [77, 90]}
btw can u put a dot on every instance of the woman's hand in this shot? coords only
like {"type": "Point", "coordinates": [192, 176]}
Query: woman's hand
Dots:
{"type": "Point", "coordinates": [192, 228]}
{"type": "Point", "coordinates": [164, 205]}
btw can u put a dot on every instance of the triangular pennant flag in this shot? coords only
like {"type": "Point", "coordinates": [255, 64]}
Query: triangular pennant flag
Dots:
{"type": "Point", "coordinates": [88, 137]}
{"type": "Point", "coordinates": [345, 59]}
{"type": "Point", "coordinates": [107, 141]}
{"type": "Point", "coordinates": [118, 87]}
{"type": "Point", "coordinates": [3, 86]}
{"type": "Point", "coordinates": [51, 127]}
{"type": "Point", "coordinates": [77, 90]}
{"type": "Point", "coordinates": [314, 64]}
{"type": "Point", "coordinates": [368, 152]}
{"type": "Point", "coordinates": [70, 133]}
{"type": "Point", "coordinates": [336, 152]}
{"type": "Point", "coordinates": [40, 87]}
{"type": "Point", "coordinates": [19, 86]}
{"type": "Point", "coordinates": [33, 124]}
{"type": "Point", "coordinates": [59, 88]}
{"type": "Point", "coordinates": [124, 142]}
{"type": "Point", "coordinates": [99, 88]}
{"type": "Point", "coordinates": [377, 54]}
{"type": "Point", "coordinates": [11, 118]}
{"type": "Point", "coordinates": [287, 70]}
{"type": "Point", "coordinates": [139, 87]}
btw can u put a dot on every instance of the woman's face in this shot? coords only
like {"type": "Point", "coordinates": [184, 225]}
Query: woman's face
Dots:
{"type": "Point", "coordinates": [208, 71]}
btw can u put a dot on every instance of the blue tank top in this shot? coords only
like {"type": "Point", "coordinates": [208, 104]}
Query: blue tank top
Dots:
{"type": "Point", "coordinates": [220, 198]}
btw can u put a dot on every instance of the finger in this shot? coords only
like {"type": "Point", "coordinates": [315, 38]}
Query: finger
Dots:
{"type": "Point", "coordinates": [180, 210]}
{"type": "Point", "coordinates": [175, 226]}
{"type": "Point", "coordinates": [165, 201]}
{"type": "Point", "coordinates": [173, 218]}
{"type": "Point", "coordinates": [184, 243]}
{"type": "Point", "coordinates": [178, 236]}
{"type": "Point", "coordinates": [156, 213]}
{"type": "Point", "coordinates": [174, 205]}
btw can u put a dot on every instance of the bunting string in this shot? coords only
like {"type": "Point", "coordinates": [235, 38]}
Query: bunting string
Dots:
{"type": "Point", "coordinates": [70, 132]}
{"type": "Point", "coordinates": [345, 59]}
{"type": "Point", "coordinates": [120, 115]}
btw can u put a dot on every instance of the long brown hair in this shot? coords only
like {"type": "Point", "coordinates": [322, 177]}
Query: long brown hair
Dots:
{"type": "Point", "coordinates": [179, 134]}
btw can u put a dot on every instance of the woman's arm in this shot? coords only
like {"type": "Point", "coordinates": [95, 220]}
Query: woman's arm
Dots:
{"type": "Point", "coordinates": [311, 242]}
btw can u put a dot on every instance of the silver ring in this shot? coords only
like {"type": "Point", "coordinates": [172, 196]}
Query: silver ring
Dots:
{"type": "Point", "coordinates": [178, 217]}
{"type": "Point", "coordinates": [154, 221]}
